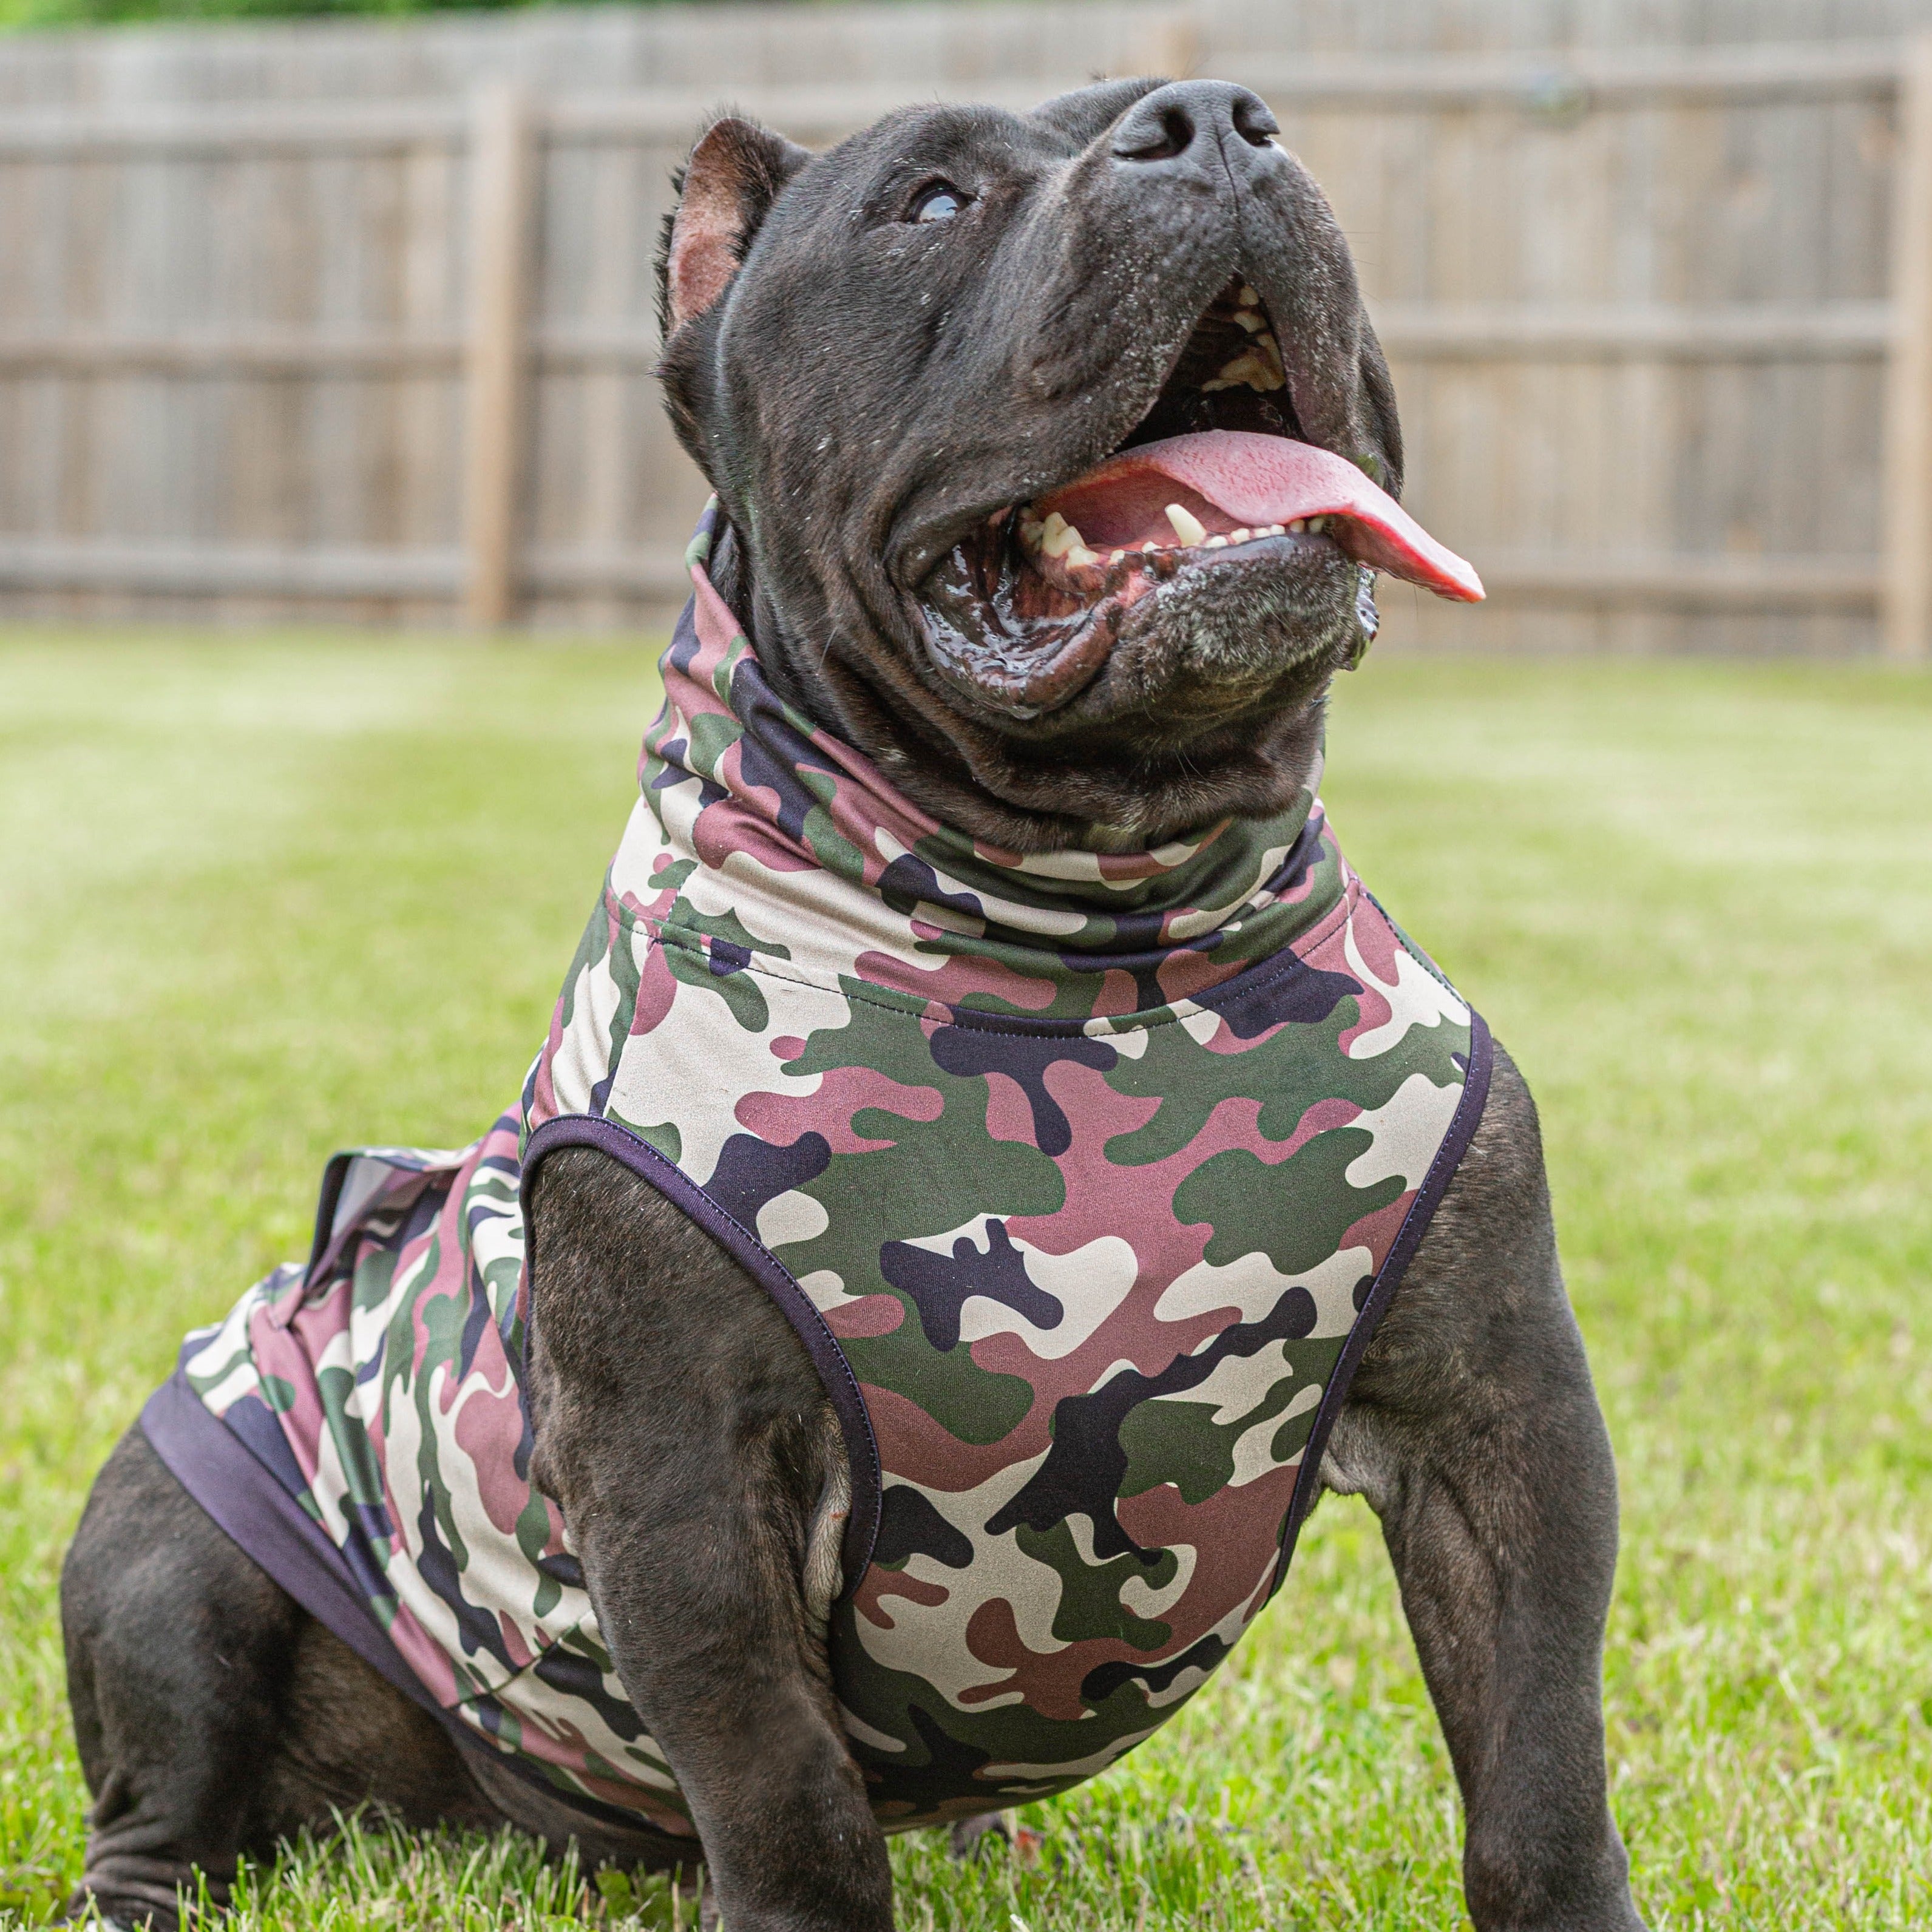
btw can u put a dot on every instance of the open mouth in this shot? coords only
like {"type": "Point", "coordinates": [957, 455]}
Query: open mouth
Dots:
{"type": "Point", "coordinates": [1214, 477]}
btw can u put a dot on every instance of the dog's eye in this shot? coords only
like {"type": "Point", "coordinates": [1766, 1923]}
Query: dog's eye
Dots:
{"type": "Point", "coordinates": [940, 203]}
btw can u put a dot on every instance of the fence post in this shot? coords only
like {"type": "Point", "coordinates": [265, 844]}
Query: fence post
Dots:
{"type": "Point", "coordinates": [502, 202]}
{"type": "Point", "coordinates": [1908, 385]}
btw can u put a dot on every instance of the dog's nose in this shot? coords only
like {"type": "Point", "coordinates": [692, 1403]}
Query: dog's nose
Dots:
{"type": "Point", "coordinates": [1193, 118]}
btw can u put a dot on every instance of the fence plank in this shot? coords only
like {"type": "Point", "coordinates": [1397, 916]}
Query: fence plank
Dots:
{"type": "Point", "coordinates": [1664, 581]}
{"type": "Point", "coordinates": [1730, 333]}
{"type": "Point", "coordinates": [1563, 85]}
{"type": "Point", "coordinates": [216, 569]}
{"type": "Point", "coordinates": [1441, 330]}
{"type": "Point", "coordinates": [1640, 298]}
{"type": "Point", "coordinates": [501, 201]}
{"type": "Point", "coordinates": [1556, 87]}
{"type": "Point", "coordinates": [1908, 402]}
{"type": "Point", "coordinates": [1678, 582]}
{"type": "Point", "coordinates": [223, 129]}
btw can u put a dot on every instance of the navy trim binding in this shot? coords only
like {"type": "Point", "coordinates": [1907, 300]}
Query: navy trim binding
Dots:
{"type": "Point", "coordinates": [1408, 1237]}
{"type": "Point", "coordinates": [771, 1274]}
{"type": "Point", "coordinates": [245, 1501]}
{"type": "Point", "coordinates": [242, 1497]}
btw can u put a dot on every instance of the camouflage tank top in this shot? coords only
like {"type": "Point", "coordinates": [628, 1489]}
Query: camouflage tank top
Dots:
{"type": "Point", "coordinates": [1083, 1177]}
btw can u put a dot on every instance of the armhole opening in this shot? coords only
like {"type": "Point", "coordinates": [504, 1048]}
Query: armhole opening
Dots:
{"type": "Point", "coordinates": [1462, 1126]}
{"type": "Point", "coordinates": [650, 1165]}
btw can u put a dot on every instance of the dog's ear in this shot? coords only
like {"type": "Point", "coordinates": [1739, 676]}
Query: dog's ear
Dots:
{"type": "Point", "coordinates": [725, 191]}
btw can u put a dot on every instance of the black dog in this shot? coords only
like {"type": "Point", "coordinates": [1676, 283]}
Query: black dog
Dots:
{"type": "Point", "coordinates": [881, 357]}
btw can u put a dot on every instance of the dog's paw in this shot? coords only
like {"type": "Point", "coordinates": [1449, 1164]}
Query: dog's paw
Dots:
{"type": "Point", "coordinates": [694, 1902]}
{"type": "Point", "coordinates": [83, 1909]}
{"type": "Point", "coordinates": [968, 1837]}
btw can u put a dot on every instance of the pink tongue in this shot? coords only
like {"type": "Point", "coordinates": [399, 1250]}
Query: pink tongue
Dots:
{"type": "Point", "coordinates": [1230, 479]}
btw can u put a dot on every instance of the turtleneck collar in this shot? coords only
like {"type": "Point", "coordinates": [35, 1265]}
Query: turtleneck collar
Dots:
{"type": "Point", "coordinates": [819, 862]}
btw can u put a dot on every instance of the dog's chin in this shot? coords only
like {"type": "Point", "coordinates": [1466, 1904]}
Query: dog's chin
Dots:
{"type": "Point", "coordinates": [1203, 702]}
{"type": "Point", "coordinates": [1169, 646]}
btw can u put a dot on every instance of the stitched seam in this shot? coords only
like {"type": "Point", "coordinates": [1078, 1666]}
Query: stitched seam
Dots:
{"type": "Point", "coordinates": [1258, 975]}
{"type": "Point", "coordinates": [1420, 1216]}
{"type": "Point", "coordinates": [564, 1133]}
{"type": "Point", "coordinates": [723, 1214]}
{"type": "Point", "coordinates": [1427, 964]}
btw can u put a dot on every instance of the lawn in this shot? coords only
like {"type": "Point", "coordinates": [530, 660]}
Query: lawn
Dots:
{"type": "Point", "coordinates": [260, 897]}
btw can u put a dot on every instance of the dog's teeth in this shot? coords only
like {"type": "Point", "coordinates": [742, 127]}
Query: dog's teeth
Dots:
{"type": "Point", "coordinates": [1248, 298]}
{"type": "Point", "coordinates": [1258, 367]}
{"type": "Point", "coordinates": [1300, 524]}
{"type": "Point", "coordinates": [1215, 543]}
{"type": "Point", "coordinates": [1078, 555]}
{"type": "Point", "coordinates": [1272, 530]}
{"type": "Point", "coordinates": [1239, 536]}
{"type": "Point", "coordinates": [1117, 556]}
{"type": "Point", "coordinates": [1250, 320]}
{"type": "Point", "coordinates": [1187, 527]}
{"type": "Point", "coordinates": [1316, 525]}
{"type": "Point", "coordinates": [1148, 548]}
{"type": "Point", "coordinates": [1060, 536]}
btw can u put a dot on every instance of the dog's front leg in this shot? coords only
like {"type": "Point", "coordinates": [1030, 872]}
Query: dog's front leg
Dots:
{"type": "Point", "coordinates": [1473, 1429]}
{"type": "Point", "coordinates": [683, 1431]}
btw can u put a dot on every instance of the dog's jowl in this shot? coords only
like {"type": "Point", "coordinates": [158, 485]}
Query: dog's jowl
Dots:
{"type": "Point", "coordinates": [993, 1164]}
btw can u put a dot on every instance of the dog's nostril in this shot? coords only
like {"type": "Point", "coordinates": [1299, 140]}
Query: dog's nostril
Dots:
{"type": "Point", "coordinates": [1253, 122]}
{"type": "Point", "coordinates": [1171, 134]}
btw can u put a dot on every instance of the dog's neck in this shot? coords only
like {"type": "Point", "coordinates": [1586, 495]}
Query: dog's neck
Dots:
{"type": "Point", "coordinates": [817, 853]}
{"type": "Point", "coordinates": [1037, 810]}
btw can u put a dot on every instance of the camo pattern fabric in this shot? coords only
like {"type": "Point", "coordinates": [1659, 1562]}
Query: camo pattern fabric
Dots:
{"type": "Point", "coordinates": [1083, 1164]}
{"type": "Point", "coordinates": [381, 1386]}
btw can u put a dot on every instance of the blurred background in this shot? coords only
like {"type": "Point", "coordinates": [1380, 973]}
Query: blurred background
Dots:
{"type": "Point", "coordinates": [325, 403]}
{"type": "Point", "coordinates": [351, 319]}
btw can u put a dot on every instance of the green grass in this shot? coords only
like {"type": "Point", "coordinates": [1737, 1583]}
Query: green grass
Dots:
{"type": "Point", "coordinates": [30, 13]}
{"type": "Point", "coordinates": [15, 14]}
{"type": "Point", "coordinates": [261, 897]}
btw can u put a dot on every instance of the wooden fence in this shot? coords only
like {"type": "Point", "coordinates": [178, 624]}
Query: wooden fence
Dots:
{"type": "Point", "coordinates": [1660, 316]}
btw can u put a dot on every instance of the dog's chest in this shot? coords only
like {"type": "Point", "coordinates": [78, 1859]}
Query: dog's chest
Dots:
{"type": "Point", "coordinates": [1082, 1180]}
{"type": "Point", "coordinates": [1079, 1268]}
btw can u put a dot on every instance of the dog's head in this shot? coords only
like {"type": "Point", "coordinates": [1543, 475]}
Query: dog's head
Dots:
{"type": "Point", "coordinates": [1053, 446]}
